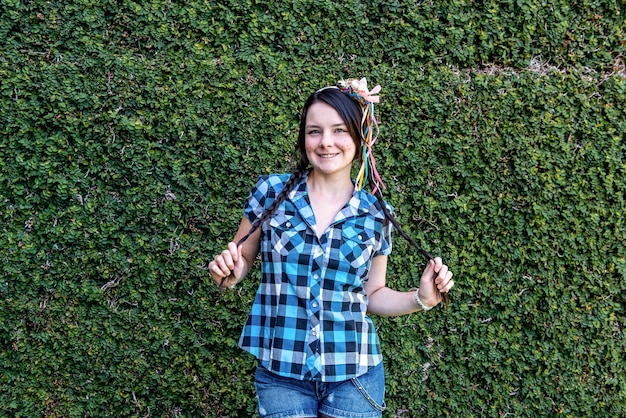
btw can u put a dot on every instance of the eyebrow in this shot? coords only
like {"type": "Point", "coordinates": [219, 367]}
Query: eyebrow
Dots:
{"type": "Point", "coordinates": [311, 125]}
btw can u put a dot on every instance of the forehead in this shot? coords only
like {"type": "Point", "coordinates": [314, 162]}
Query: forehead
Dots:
{"type": "Point", "coordinates": [321, 113]}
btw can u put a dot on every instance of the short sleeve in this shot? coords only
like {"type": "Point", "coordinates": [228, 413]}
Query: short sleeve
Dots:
{"type": "Point", "coordinates": [385, 248]}
{"type": "Point", "coordinates": [386, 243]}
{"type": "Point", "coordinates": [254, 205]}
{"type": "Point", "coordinates": [263, 194]}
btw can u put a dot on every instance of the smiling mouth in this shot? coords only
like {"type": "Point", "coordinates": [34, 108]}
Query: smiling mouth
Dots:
{"type": "Point", "coordinates": [327, 155]}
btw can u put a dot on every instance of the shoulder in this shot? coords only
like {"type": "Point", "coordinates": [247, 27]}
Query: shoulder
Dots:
{"type": "Point", "coordinates": [369, 203]}
{"type": "Point", "coordinates": [271, 183]}
{"type": "Point", "coordinates": [264, 193]}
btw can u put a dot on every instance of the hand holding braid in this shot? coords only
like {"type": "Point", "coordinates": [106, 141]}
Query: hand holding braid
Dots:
{"type": "Point", "coordinates": [224, 268]}
{"type": "Point", "coordinates": [392, 218]}
{"type": "Point", "coordinates": [227, 267]}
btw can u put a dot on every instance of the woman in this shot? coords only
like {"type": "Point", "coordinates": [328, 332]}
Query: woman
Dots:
{"type": "Point", "coordinates": [324, 243]}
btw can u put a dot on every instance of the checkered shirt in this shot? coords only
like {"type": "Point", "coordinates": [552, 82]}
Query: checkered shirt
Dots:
{"type": "Point", "coordinates": [308, 320]}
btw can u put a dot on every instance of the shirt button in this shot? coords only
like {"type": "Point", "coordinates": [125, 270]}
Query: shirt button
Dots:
{"type": "Point", "coordinates": [360, 237]}
{"type": "Point", "coordinates": [314, 304]}
{"type": "Point", "coordinates": [315, 276]}
{"type": "Point", "coordinates": [314, 333]}
{"type": "Point", "coordinates": [288, 224]}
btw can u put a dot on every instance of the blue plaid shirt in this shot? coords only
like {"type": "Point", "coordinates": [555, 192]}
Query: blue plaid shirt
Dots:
{"type": "Point", "coordinates": [308, 320]}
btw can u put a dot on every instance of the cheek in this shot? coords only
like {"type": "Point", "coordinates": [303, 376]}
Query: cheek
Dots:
{"type": "Point", "coordinates": [309, 146]}
{"type": "Point", "coordinates": [349, 148]}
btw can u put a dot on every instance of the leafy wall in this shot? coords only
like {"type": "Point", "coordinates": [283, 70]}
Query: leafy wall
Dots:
{"type": "Point", "coordinates": [131, 132]}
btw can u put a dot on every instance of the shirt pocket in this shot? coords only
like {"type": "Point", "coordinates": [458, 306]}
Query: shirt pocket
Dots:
{"type": "Point", "coordinates": [357, 247]}
{"type": "Point", "coordinates": [287, 235]}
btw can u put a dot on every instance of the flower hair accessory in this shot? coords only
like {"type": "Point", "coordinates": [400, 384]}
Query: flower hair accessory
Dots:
{"type": "Point", "coordinates": [357, 90]}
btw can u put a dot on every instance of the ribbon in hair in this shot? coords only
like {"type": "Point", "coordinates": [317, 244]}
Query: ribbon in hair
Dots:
{"type": "Point", "coordinates": [358, 91]}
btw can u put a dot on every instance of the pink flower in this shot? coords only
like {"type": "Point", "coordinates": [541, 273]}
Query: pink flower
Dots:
{"type": "Point", "coordinates": [360, 87]}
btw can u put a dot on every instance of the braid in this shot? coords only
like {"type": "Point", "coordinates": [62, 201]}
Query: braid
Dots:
{"type": "Point", "coordinates": [392, 218]}
{"type": "Point", "coordinates": [296, 175]}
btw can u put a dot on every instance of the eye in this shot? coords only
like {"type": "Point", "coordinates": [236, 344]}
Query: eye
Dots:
{"type": "Point", "coordinates": [313, 131]}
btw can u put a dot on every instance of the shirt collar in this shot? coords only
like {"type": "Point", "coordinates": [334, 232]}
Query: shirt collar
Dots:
{"type": "Point", "coordinates": [360, 203]}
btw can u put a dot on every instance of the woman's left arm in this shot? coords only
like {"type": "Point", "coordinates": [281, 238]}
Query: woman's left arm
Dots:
{"type": "Point", "coordinates": [384, 301]}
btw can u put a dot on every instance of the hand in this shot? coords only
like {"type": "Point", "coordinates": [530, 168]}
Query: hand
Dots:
{"type": "Point", "coordinates": [436, 279]}
{"type": "Point", "coordinates": [228, 264]}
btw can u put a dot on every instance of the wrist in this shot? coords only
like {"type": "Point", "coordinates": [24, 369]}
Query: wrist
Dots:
{"type": "Point", "coordinates": [419, 301]}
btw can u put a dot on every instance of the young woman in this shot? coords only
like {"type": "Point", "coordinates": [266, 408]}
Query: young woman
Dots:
{"type": "Point", "coordinates": [324, 243]}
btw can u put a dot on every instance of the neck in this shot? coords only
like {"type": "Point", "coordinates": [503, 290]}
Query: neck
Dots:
{"type": "Point", "coordinates": [330, 186]}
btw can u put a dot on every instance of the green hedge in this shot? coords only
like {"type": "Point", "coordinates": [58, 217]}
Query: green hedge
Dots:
{"type": "Point", "coordinates": [131, 132]}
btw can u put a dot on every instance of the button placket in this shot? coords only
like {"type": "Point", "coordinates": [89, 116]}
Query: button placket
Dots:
{"type": "Point", "coordinates": [314, 307]}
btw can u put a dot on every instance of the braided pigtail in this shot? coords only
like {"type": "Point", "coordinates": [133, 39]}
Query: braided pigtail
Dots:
{"type": "Point", "coordinates": [392, 218]}
{"type": "Point", "coordinates": [296, 175]}
{"type": "Point", "coordinates": [358, 91]}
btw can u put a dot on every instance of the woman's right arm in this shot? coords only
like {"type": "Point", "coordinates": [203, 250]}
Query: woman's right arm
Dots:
{"type": "Point", "coordinates": [236, 260]}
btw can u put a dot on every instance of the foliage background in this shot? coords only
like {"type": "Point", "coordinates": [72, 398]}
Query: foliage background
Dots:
{"type": "Point", "coordinates": [131, 132]}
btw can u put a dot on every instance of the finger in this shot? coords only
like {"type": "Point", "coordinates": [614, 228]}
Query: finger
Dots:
{"type": "Point", "coordinates": [448, 286]}
{"type": "Point", "coordinates": [441, 273]}
{"type": "Point", "coordinates": [218, 268]}
{"type": "Point", "coordinates": [438, 264]}
{"type": "Point", "coordinates": [442, 283]}
{"type": "Point", "coordinates": [429, 274]}
{"type": "Point", "coordinates": [240, 259]}
{"type": "Point", "coordinates": [228, 258]}
{"type": "Point", "coordinates": [223, 263]}
{"type": "Point", "coordinates": [441, 276]}
{"type": "Point", "coordinates": [235, 252]}
{"type": "Point", "coordinates": [431, 267]}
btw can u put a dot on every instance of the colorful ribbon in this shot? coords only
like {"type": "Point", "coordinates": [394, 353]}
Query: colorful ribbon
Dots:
{"type": "Point", "coordinates": [358, 91]}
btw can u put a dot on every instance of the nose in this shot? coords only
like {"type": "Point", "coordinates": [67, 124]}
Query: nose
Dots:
{"type": "Point", "coordinates": [326, 139]}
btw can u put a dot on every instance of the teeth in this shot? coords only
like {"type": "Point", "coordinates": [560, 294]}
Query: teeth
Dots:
{"type": "Point", "coordinates": [327, 155]}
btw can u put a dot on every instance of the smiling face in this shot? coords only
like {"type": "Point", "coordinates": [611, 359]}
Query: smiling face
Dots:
{"type": "Point", "coordinates": [328, 144]}
{"type": "Point", "coordinates": [348, 112]}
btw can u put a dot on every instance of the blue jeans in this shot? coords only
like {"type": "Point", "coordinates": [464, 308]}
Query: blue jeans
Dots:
{"type": "Point", "coordinates": [282, 397]}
